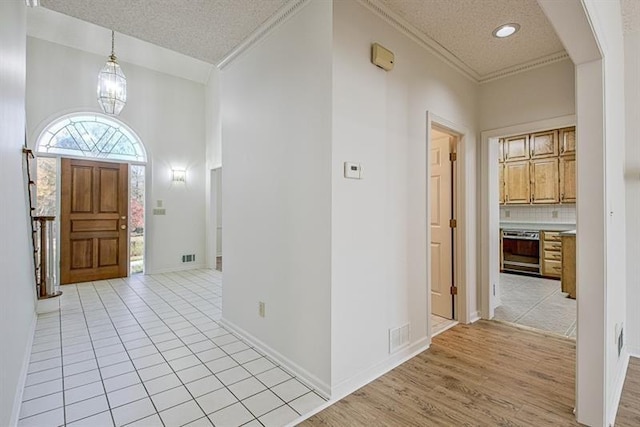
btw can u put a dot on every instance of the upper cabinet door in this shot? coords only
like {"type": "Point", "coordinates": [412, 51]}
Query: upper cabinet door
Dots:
{"type": "Point", "coordinates": [501, 182]}
{"type": "Point", "coordinates": [544, 181]}
{"type": "Point", "coordinates": [568, 141]}
{"type": "Point", "coordinates": [568, 179]}
{"type": "Point", "coordinates": [517, 183]}
{"type": "Point", "coordinates": [544, 144]}
{"type": "Point", "coordinates": [516, 148]}
{"type": "Point", "coordinates": [501, 150]}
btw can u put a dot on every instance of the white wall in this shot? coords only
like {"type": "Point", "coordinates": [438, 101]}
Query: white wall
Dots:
{"type": "Point", "coordinates": [607, 22]}
{"type": "Point", "coordinates": [213, 136]}
{"type": "Point", "coordinates": [17, 312]}
{"type": "Point", "coordinates": [379, 234]}
{"type": "Point", "coordinates": [276, 126]}
{"type": "Point", "coordinates": [632, 179]}
{"type": "Point", "coordinates": [538, 94]}
{"type": "Point", "coordinates": [166, 112]}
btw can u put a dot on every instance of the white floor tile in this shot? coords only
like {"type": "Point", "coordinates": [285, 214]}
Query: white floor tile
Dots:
{"type": "Point", "coordinates": [193, 373]}
{"type": "Point", "coordinates": [171, 397]}
{"type": "Point", "coordinates": [184, 362]}
{"type": "Point", "coordinates": [181, 414]}
{"type": "Point", "coordinates": [44, 365]}
{"type": "Point", "coordinates": [210, 354]}
{"type": "Point", "coordinates": [126, 395]}
{"type": "Point", "coordinates": [113, 359]}
{"type": "Point", "coordinates": [273, 377]}
{"type": "Point", "coordinates": [262, 403]}
{"type": "Point", "coordinates": [154, 371]}
{"type": "Point", "coordinates": [258, 366]}
{"type": "Point", "coordinates": [137, 353]}
{"type": "Point", "coordinates": [216, 400]}
{"type": "Point", "coordinates": [86, 408]}
{"type": "Point", "coordinates": [247, 387]}
{"type": "Point", "coordinates": [53, 418]}
{"type": "Point", "coordinates": [43, 376]}
{"type": "Point", "coordinates": [42, 389]}
{"type": "Point", "coordinates": [146, 361]}
{"type": "Point", "coordinates": [201, 346]}
{"type": "Point", "coordinates": [279, 417]}
{"type": "Point", "coordinates": [117, 369]}
{"type": "Point", "coordinates": [121, 381]}
{"type": "Point", "coordinates": [151, 421]}
{"type": "Point", "coordinates": [78, 357]}
{"type": "Point", "coordinates": [245, 356]}
{"type": "Point", "coordinates": [177, 353]}
{"type": "Point", "coordinates": [204, 385]}
{"type": "Point", "coordinates": [84, 392]}
{"type": "Point", "coordinates": [306, 403]}
{"type": "Point", "coordinates": [133, 412]}
{"type": "Point", "coordinates": [234, 347]}
{"type": "Point", "coordinates": [80, 367]}
{"type": "Point", "coordinates": [233, 375]}
{"type": "Point", "coordinates": [102, 419]}
{"type": "Point", "coordinates": [160, 384]}
{"type": "Point", "coordinates": [221, 364]}
{"type": "Point", "coordinates": [290, 390]}
{"type": "Point", "coordinates": [231, 416]}
{"type": "Point", "coordinates": [41, 404]}
{"type": "Point", "coordinates": [81, 379]}
{"type": "Point", "coordinates": [201, 422]}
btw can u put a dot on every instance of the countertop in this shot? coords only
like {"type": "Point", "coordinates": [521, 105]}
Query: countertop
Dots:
{"type": "Point", "coordinates": [568, 233]}
{"type": "Point", "coordinates": [541, 226]}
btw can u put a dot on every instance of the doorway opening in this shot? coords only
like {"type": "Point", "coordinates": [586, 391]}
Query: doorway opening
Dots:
{"type": "Point", "coordinates": [98, 138]}
{"type": "Point", "coordinates": [442, 225]}
{"type": "Point", "coordinates": [216, 217]}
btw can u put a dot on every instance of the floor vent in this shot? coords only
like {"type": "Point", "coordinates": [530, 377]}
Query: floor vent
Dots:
{"type": "Point", "coordinates": [189, 258]}
{"type": "Point", "coordinates": [398, 338]}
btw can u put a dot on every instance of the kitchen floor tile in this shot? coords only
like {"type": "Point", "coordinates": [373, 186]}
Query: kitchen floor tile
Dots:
{"type": "Point", "coordinates": [262, 403]}
{"type": "Point", "coordinates": [102, 419]}
{"type": "Point", "coordinates": [160, 384]}
{"type": "Point", "coordinates": [307, 402]}
{"type": "Point", "coordinates": [41, 404]}
{"type": "Point", "coordinates": [273, 377]}
{"type": "Point", "coordinates": [258, 366]}
{"type": "Point", "coordinates": [86, 408]}
{"type": "Point", "coordinates": [221, 364]}
{"type": "Point", "coordinates": [233, 375]}
{"type": "Point", "coordinates": [126, 395]}
{"type": "Point", "coordinates": [53, 418]}
{"type": "Point", "coordinates": [170, 398]}
{"type": "Point", "coordinates": [84, 392]}
{"type": "Point", "coordinates": [42, 389]}
{"type": "Point", "coordinates": [193, 373]}
{"type": "Point", "coordinates": [121, 381]}
{"type": "Point", "coordinates": [290, 390]}
{"type": "Point", "coordinates": [246, 388]}
{"type": "Point", "coordinates": [133, 411]}
{"type": "Point", "coordinates": [204, 385]}
{"type": "Point", "coordinates": [151, 421]}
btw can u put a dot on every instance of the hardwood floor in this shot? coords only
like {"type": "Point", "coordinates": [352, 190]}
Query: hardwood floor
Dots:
{"type": "Point", "coordinates": [629, 409]}
{"type": "Point", "coordinates": [485, 374]}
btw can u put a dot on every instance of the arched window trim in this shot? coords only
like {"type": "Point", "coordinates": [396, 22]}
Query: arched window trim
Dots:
{"type": "Point", "coordinates": [83, 148]}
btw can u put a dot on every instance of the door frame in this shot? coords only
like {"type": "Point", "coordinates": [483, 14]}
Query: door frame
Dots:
{"type": "Point", "coordinates": [490, 206]}
{"type": "Point", "coordinates": [464, 204]}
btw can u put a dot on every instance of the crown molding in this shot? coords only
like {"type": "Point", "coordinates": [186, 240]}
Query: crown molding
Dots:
{"type": "Point", "coordinates": [419, 37]}
{"type": "Point", "coordinates": [281, 16]}
{"type": "Point", "coordinates": [448, 57]}
{"type": "Point", "coordinates": [521, 68]}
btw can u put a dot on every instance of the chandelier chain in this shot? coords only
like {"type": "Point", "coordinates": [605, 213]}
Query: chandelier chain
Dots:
{"type": "Point", "coordinates": [113, 43]}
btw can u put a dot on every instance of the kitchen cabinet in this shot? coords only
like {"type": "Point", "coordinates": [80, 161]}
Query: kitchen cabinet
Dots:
{"type": "Point", "coordinates": [567, 179]}
{"type": "Point", "coordinates": [544, 181]}
{"type": "Point", "coordinates": [516, 148]}
{"type": "Point", "coordinates": [544, 144]}
{"type": "Point", "coordinates": [501, 151]}
{"type": "Point", "coordinates": [501, 182]}
{"type": "Point", "coordinates": [567, 141]}
{"type": "Point", "coordinates": [517, 185]}
{"type": "Point", "coordinates": [551, 254]}
{"type": "Point", "coordinates": [568, 279]}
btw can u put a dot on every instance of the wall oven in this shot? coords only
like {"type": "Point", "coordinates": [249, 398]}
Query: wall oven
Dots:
{"type": "Point", "coordinates": [521, 251]}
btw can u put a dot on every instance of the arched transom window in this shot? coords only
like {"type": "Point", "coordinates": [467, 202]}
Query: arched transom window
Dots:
{"type": "Point", "coordinates": [93, 136]}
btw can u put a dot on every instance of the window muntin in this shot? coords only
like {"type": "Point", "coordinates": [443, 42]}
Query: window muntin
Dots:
{"type": "Point", "coordinates": [92, 136]}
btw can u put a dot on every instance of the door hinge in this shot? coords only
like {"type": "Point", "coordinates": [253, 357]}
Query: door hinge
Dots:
{"type": "Point", "coordinates": [453, 223]}
{"type": "Point", "coordinates": [453, 157]}
{"type": "Point", "coordinates": [454, 290]}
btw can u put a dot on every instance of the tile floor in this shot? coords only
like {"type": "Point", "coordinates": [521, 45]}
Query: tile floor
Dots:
{"type": "Point", "coordinates": [148, 351]}
{"type": "Point", "coordinates": [537, 303]}
{"type": "Point", "coordinates": [440, 324]}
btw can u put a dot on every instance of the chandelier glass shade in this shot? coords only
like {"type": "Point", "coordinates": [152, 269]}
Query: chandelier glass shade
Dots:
{"type": "Point", "coordinates": [112, 85]}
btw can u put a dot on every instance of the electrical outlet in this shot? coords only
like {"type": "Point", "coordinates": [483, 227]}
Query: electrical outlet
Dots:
{"type": "Point", "coordinates": [261, 309]}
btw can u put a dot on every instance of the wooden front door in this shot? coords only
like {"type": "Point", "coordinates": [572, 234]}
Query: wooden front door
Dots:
{"type": "Point", "coordinates": [93, 221]}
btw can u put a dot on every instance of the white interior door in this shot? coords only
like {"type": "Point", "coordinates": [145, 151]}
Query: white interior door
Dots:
{"type": "Point", "coordinates": [441, 245]}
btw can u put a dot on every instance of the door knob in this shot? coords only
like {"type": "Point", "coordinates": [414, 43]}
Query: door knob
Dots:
{"type": "Point", "coordinates": [123, 227]}
{"type": "Point", "coordinates": [123, 218]}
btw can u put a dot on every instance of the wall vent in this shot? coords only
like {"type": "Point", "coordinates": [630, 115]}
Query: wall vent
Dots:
{"type": "Point", "coordinates": [399, 338]}
{"type": "Point", "coordinates": [189, 258]}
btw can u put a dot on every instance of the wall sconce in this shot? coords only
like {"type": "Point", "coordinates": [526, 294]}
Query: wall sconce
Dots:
{"type": "Point", "coordinates": [179, 175]}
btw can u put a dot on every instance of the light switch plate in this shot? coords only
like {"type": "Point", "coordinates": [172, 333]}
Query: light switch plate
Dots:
{"type": "Point", "coordinates": [352, 170]}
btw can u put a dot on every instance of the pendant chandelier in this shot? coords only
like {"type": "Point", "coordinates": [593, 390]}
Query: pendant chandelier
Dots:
{"type": "Point", "coordinates": [112, 85]}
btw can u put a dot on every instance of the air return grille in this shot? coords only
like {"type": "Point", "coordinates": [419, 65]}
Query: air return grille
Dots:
{"type": "Point", "coordinates": [399, 338]}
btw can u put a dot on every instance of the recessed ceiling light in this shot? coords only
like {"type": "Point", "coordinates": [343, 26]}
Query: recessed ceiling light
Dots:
{"type": "Point", "coordinates": [506, 30]}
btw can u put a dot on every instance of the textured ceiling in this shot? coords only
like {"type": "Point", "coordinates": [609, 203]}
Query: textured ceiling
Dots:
{"type": "Point", "coordinates": [630, 16]}
{"type": "Point", "coordinates": [204, 29]}
{"type": "Point", "coordinates": [464, 28]}
{"type": "Point", "coordinates": [210, 29]}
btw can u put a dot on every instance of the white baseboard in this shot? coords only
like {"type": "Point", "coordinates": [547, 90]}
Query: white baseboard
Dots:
{"type": "Point", "coordinates": [475, 316]}
{"type": "Point", "coordinates": [617, 388]}
{"type": "Point", "coordinates": [633, 352]}
{"type": "Point", "coordinates": [22, 378]}
{"type": "Point", "coordinates": [177, 268]}
{"type": "Point", "coordinates": [302, 374]}
{"type": "Point", "coordinates": [363, 378]}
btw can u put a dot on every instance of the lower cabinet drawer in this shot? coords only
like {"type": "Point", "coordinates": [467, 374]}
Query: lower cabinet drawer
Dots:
{"type": "Point", "coordinates": [553, 255]}
{"type": "Point", "coordinates": [551, 268]}
{"type": "Point", "coordinates": [552, 246]}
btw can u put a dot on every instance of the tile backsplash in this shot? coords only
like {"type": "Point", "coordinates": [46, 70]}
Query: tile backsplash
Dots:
{"type": "Point", "coordinates": [554, 213]}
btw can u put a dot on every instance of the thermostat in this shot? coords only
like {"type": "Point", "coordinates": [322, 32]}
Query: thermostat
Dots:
{"type": "Point", "coordinates": [352, 170]}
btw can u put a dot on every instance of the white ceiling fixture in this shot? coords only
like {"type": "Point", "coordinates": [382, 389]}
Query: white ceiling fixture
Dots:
{"type": "Point", "coordinates": [506, 30]}
{"type": "Point", "coordinates": [112, 84]}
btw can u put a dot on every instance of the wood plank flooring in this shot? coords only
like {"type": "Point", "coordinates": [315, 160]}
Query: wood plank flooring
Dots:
{"type": "Point", "coordinates": [629, 409]}
{"type": "Point", "coordinates": [485, 374]}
